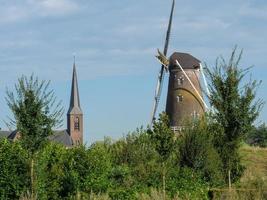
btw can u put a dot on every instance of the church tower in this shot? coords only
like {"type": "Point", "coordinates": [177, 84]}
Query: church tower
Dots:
{"type": "Point", "coordinates": [75, 114]}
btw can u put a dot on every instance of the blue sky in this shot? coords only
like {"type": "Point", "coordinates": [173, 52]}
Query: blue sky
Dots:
{"type": "Point", "coordinates": [115, 43]}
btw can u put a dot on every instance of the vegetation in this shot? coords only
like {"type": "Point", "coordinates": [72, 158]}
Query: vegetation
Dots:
{"type": "Point", "coordinates": [126, 169]}
{"type": "Point", "coordinates": [235, 109]}
{"type": "Point", "coordinates": [198, 163]}
{"type": "Point", "coordinates": [14, 179]}
{"type": "Point", "coordinates": [258, 136]}
{"type": "Point", "coordinates": [198, 152]}
{"type": "Point", "coordinates": [35, 114]}
{"type": "Point", "coordinates": [163, 139]}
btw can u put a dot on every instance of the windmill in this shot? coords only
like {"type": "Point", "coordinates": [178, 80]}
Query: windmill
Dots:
{"type": "Point", "coordinates": [163, 68]}
{"type": "Point", "coordinates": [184, 98]}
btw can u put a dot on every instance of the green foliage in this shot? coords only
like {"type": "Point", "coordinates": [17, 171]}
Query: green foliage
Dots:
{"type": "Point", "coordinates": [163, 141]}
{"type": "Point", "coordinates": [258, 136]}
{"type": "Point", "coordinates": [111, 172]}
{"type": "Point", "coordinates": [162, 136]}
{"type": "Point", "coordinates": [197, 151]}
{"type": "Point", "coordinates": [97, 168]}
{"type": "Point", "coordinates": [54, 180]}
{"type": "Point", "coordinates": [187, 184]}
{"type": "Point", "coordinates": [122, 194]}
{"type": "Point", "coordinates": [155, 194]}
{"type": "Point", "coordinates": [14, 177]}
{"type": "Point", "coordinates": [35, 111]}
{"type": "Point", "coordinates": [235, 110]}
{"type": "Point", "coordinates": [64, 173]}
{"type": "Point", "coordinates": [136, 152]}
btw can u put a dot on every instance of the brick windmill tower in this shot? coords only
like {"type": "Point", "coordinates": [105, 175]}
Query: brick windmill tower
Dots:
{"type": "Point", "coordinates": [184, 98]}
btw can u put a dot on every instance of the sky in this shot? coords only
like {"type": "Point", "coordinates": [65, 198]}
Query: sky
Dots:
{"type": "Point", "coordinates": [115, 43]}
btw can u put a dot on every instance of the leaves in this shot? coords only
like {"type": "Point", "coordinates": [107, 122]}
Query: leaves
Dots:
{"type": "Point", "coordinates": [35, 111]}
{"type": "Point", "coordinates": [235, 108]}
{"type": "Point", "coordinates": [162, 137]}
{"type": "Point", "coordinates": [14, 177]}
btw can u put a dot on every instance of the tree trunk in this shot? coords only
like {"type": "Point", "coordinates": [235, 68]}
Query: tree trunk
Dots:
{"type": "Point", "coordinates": [229, 179]}
{"type": "Point", "coordinates": [32, 177]}
{"type": "Point", "coordinates": [163, 180]}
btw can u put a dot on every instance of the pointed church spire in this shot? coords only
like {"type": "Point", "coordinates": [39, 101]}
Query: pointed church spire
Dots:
{"type": "Point", "coordinates": [74, 97]}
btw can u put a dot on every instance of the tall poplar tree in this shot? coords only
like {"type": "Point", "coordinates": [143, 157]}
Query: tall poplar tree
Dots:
{"type": "Point", "coordinates": [35, 112]}
{"type": "Point", "coordinates": [235, 109]}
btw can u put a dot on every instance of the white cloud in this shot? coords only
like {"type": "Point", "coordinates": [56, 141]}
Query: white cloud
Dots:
{"type": "Point", "coordinates": [53, 7]}
{"type": "Point", "coordinates": [16, 12]}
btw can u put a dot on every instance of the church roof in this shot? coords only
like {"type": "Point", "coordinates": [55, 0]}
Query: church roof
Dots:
{"type": "Point", "coordinates": [5, 134]}
{"type": "Point", "coordinates": [12, 134]}
{"type": "Point", "coordinates": [187, 61]}
{"type": "Point", "coordinates": [75, 107]}
{"type": "Point", "coordinates": [62, 137]}
{"type": "Point", "coordinates": [59, 136]}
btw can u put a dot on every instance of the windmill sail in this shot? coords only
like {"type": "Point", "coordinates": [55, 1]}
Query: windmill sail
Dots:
{"type": "Point", "coordinates": [161, 73]}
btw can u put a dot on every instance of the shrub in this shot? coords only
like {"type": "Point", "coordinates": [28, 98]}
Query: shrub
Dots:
{"type": "Point", "coordinates": [14, 166]}
{"type": "Point", "coordinates": [187, 184]}
{"type": "Point", "coordinates": [197, 151]}
{"type": "Point", "coordinates": [53, 178]}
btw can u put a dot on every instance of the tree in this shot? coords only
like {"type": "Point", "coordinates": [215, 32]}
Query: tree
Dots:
{"type": "Point", "coordinates": [197, 151]}
{"type": "Point", "coordinates": [235, 109]}
{"type": "Point", "coordinates": [163, 139]}
{"type": "Point", "coordinates": [14, 178]}
{"type": "Point", "coordinates": [36, 111]}
{"type": "Point", "coordinates": [53, 169]}
{"type": "Point", "coordinates": [98, 168]}
{"type": "Point", "coordinates": [258, 136]}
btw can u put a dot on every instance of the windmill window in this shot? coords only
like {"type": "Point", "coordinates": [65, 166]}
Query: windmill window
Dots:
{"type": "Point", "coordinates": [180, 80]}
{"type": "Point", "coordinates": [77, 124]}
{"type": "Point", "coordinates": [179, 98]}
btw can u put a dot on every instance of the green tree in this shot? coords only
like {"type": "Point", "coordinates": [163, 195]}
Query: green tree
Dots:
{"type": "Point", "coordinates": [52, 169]}
{"type": "Point", "coordinates": [197, 151]}
{"type": "Point", "coordinates": [98, 169]}
{"type": "Point", "coordinates": [258, 136]}
{"type": "Point", "coordinates": [163, 140]}
{"type": "Point", "coordinates": [36, 111]}
{"type": "Point", "coordinates": [235, 109]}
{"type": "Point", "coordinates": [14, 177]}
{"type": "Point", "coordinates": [135, 165]}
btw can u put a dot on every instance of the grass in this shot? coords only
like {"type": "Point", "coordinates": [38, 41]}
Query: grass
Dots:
{"type": "Point", "coordinates": [255, 160]}
{"type": "Point", "coordinates": [253, 183]}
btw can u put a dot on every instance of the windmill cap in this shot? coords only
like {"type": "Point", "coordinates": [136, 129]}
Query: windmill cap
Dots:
{"type": "Point", "coordinates": [186, 60]}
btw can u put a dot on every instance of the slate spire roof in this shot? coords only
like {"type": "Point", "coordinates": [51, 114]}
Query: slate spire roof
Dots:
{"type": "Point", "coordinates": [74, 96]}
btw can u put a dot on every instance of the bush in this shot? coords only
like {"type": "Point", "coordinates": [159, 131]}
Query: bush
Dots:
{"type": "Point", "coordinates": [97, 167]}
{"type": "Point", "coordinates": [197, 151]}
{"type": "Point", "coordinates": [54, 181]}
{"type": "Point", "coordinates": [14, 176]}
{"type": "Point", "coordinates": [187, 184]}
{"type": "Point", "coordinates": [155, 194]}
